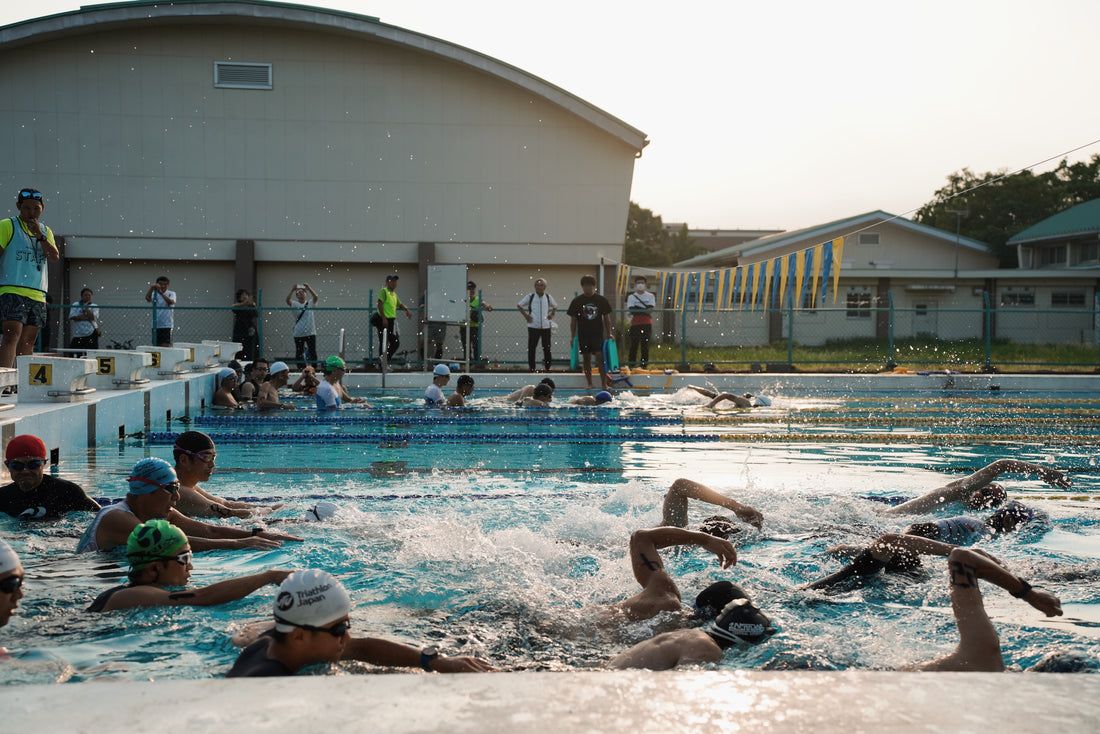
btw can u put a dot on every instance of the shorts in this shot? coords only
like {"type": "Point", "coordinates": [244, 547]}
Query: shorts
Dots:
{"type": "Point", "coordinates": [164, 336]}
{"type": "Point", "coordinates": [590, 343]}
{"type": "Point", "coordinates": [14, 307]}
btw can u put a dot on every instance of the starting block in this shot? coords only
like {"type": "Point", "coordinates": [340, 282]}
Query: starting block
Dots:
{"type": "Point", "coordinates": [203, 356]}
{"type": "Point", "coordinates": [169, 363]}
{"type": "Point", "coordinates": [45, 379]}
{"type": "Point", "coordinates": [227, 351]}
{"type": "Point", "coordinates": [119, 370]}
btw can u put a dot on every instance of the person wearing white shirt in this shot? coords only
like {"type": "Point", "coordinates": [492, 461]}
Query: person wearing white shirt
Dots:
{"type": "Point", "coordinates": [84, 322]}
{"type": "Point", "coordinates": [538, 309]}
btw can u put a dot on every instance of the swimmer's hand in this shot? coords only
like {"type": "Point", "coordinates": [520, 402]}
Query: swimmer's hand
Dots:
{"type": "Point", "coordinates": [256, 542]}
{"type": "Point", "coordinates": [751, 515]}
{"type": "Point", "coordinates": [727, 556]}
{"type": "Point", "coordinates": [1045, 602]}
{"type": "Point", "coordinates": [272, 535]}
{"type": "Point", "coordinates": [463, 664]}
{"type": "Point", "coordinates": [1055, 478]}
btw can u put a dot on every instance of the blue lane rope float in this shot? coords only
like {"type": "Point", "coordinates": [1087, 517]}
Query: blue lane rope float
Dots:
{"type": "Point", "coordinates": [602, 417]}
{"type": "Point", "coordinates": [398, 440]}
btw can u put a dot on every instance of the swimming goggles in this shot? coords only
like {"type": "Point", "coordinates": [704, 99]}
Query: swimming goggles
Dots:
{"type": "Point", "coordinates": [337, 630]}
{"type": "Point", "coordinates": [172, 489]}
{"type": "Point", "coordinates": [21, 465]}
{"type": "Point", "coordinates": [207, 456]}
{"type": "Point", "coordinates": [10, 584]}
{"type": "Point", "coordinates": [181, 558]}
{"type": "Point", "coordinates": [28, 194]}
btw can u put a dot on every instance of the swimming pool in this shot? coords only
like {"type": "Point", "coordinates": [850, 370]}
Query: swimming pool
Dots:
{"type": "Point", "coordinates": [494, 531]}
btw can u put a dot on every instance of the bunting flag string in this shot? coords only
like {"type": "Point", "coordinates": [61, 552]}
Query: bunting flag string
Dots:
{"type": "Point", "coordinates": [798, 279]}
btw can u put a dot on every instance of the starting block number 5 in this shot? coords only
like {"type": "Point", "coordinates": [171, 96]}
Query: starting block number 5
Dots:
{"type": "Point", "coordinates": [106, 365]}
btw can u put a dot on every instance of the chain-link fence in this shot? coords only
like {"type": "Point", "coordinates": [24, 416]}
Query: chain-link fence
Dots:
{"type": "Point", "coordinates": [864, 335]}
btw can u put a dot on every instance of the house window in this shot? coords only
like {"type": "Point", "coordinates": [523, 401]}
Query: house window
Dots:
{"type": "Point", "coordinates": [1053, 255]}
{"type": "Point", "coordinates": [809, 302]}
{"type": "Point", "coordinates": [1071, 299]}
{"type": "Point", "coordinates": [237, 75]}
{"type": "Point", "coordinates": [869, 238]}
{"type": "Point", "coordinates": [1018, 297]}
{"type": "Point", "coordinates": [859, 304]}
{"type": "Point", "coordinates": [1088, 252]}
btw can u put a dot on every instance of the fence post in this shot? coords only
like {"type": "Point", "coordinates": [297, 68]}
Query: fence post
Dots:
{"type": "Point", "coordinates": [683, 366]}
{"type": "Point", "coordinates": [790, 328]}
{"type": "Point", "coordinates": [890, 362]}
{"type": "Point", "coordinates": [153, 301]}
{"type": "Point", "coordinates": [988, 332]}
{"type": "Point", "coordinates": [1096, 326]}
{"type": "Point", "coordinates": [260, 323]}
{"type": "Point", "coordinates": [370, 337]}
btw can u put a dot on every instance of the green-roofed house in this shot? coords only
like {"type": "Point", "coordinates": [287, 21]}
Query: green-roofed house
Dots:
{"type": "Point", "coordinates": [1068, 240]}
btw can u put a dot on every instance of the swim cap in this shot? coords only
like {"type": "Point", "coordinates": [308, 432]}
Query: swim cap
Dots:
{"type": "Point", "coordinates": [25, 445]}
{"type": "Point", "coordinates": [155, 540]}
{"type": "Point", "coordinates": [760, 400]}
{"type": "Point", "coordinates": [442, 370]}
{"type": "Point", "coordinates": [321, 511]}
{"type": "Point", "coordinates": [226, 373]}
{"type": "Point", "coordinates": [277, 368]}
{"type": "Point", "coordinates": [314, 598]}
{"type": "Point", "coordinates": [334, 363]}
{"type": "Point", "coordinates": [148, 474]}
{"type": "Point", "coordinates": [8, 560]}
{"type": "Point", "coordinates": [603, 396]}
{"type": "Point", "coordinates": [1011, 516]}
{"type": "Point", "coordinates": [719, 526]}
{"type": "Point", "coordinates": [454, 367]}
{"type": "Point", "coordinates": [543, 391]}
{"type": "Point", "coordinates": [740, 621]}
{"type": "Point", "coordinates": [548, 381]}
{"type": "Point", "coordinates": [715, 597]}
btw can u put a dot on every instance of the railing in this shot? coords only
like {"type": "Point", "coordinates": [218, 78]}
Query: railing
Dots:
{"type": "Point", "coordinates": [871, 337]}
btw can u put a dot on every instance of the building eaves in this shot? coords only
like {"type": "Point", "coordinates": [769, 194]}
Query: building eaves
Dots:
{"type": "Point", "coordinates": [95, 18]}
{"type": "Point", "coordinates": [1077, 221]}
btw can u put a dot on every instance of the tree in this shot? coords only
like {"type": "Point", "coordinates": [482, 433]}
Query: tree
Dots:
{"type": "Point", "coordinates": [645, 239]}
{"type": "Point", "coordinates": [683, 247]}
{"type": "Point", "coordinates": [999, 205]}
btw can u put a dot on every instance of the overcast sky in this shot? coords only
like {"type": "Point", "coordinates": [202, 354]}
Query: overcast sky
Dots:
{"type": "Point", "coordinates": [782, 115]}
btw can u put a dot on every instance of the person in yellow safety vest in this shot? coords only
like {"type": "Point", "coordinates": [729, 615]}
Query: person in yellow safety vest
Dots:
{"type": "Point", "coordinates": [388, 303]}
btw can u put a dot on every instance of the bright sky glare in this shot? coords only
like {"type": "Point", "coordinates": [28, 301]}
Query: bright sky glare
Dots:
{"type": "Point", "coordinates": [782, 115]}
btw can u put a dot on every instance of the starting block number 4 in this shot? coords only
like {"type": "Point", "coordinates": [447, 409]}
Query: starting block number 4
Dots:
{"type": "Point", "coordinates": [40, 374]}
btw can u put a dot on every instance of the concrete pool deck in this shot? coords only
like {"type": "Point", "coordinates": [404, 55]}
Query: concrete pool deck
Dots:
{"type": "Point", "coordinates": [634, 701]}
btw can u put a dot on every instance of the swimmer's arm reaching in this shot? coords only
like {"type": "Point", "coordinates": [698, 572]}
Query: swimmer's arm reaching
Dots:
{"type": "Point", "coordinates": [739, 400]}
{"type": "Point", "coordinates": [205, 536]}
{"type": "Point", "coordinates": [377, 651]}
{"type": "Point", "coordinates": [675, 507]}
{"type": "Point", "coordinates": [203, 596]}
{"type": "Point", "coordinates": [960, 488]}
{"type": "Point", "coordinates": [645, 559]}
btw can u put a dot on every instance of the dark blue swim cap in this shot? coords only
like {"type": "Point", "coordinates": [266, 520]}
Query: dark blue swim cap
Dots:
{"type": "Point", "coordinates": [603, 396]}
{"type": "Point", "coordinates": [740, 621]}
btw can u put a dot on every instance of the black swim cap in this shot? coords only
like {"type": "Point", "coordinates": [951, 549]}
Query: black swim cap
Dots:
{"type": "Point", "coordinates": [543, 391]}
{"type": "Point", "coordinates": [719, 526]}
{"type": "Point", "coordinates": [740, 621]}
{"type": "Point", "coordinates": [715, 597]}
{"type": "Point", "coordinates": [548, 381]}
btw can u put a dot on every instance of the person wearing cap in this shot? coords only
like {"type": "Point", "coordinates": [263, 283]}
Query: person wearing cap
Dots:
{"type": "Point", "coordinates": [194, 454]}
{"type": "Point", "coordinates": [603, 396]}
{"type": "Point", "coordinates": [739, 622]}
{"type": "Point", "coordinates": [305, 329]}
{"type": "Point", "coordinates": [33, 494]}
{"type": "Point", "coordinates": [26, 245]}
{"type": "Point", "coordinates": [528, 391]}
{"type": "Point", "coordinates": [328, 395]}
{"type": "Point", "coordinates": [312, 625]}
{"type": "Point", "coordinates": [153, 491]}
{"type": "Point", "coordinates": [463, 389]}
{"type": "Point", "coordinates": [476, 307]}
{"type": "Point", "coordinates": [674, 509]}
{"type": "Point", "coordinates": [433, 394]}
{"type": "Point", "coordinates": [540, 397]}
{"type": "Point", "coordinates": [388, 303]}
{"type": "Point", "coordinates": [227, 383]}
{"type": "Point", "coordinates": [268, 397]}
{"type": "Point", "coordinates": [160, 568]}
{"type": "Point", "coordinates": [164, 304]}
{"type": "Point", "coordinates": [717, 398]}
{"type": "Point", "coordinates": [590, 321]}
{"type": "Point", "coordinates": [11, 582]}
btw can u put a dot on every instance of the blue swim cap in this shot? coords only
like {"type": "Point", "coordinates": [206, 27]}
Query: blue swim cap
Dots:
{"type": "Point", "coordinates": [226, 373]}
{"type": "Point", "coordinates": [151, 474]}
{"type": "Point", "coordinates": [603, 396]}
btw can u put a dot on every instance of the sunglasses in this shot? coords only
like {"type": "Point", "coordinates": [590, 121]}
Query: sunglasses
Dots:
{"type": "Point", "coordinates": [21, 465]}
{"type": "Point", "coordinates": [30, 195]}
{"type": "Point", "coordinates": [337, 630]}
{"type": "Point", "coordinates": [10, 584]}
{"type": "Point", "coordinates": [206, 456]}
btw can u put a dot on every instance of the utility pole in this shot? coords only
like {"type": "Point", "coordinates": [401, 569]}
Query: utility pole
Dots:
{"type": "Point", "coordinates": [959, 214]}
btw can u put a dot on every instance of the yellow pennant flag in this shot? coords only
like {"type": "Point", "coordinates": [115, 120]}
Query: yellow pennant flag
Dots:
{"type": "Point", "coordinates": [769, 268]}
{"type": "Point", "coordinates": [784, 266]}
{"type": "Point", "coordinates": [799, 278]}
{"type": "Point", "coordinates": [755, 269]}
{"type": "Point", "coordinates": [819, 252]}
{"type": "Point", "coordinates": [838, 257]}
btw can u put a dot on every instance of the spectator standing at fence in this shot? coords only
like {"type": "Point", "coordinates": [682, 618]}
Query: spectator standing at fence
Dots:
{"type": "Point", "coordinates": [538, 309]}
{"type": "Point", "coordinates": [590, 315]}
{"type": "Point", "coordinates": [640, 303]}
{"type": "Point", "coordinates": [27, 246]}
{"type": "Point", "coordinates": [303, 299]}
{"type": "Point", "coordinates": [245, 323]}
{"type": "Point", "coordinates": [84, 322]}
{"type": "Point", "coordinates": [476, 307]}
{"type": "Point", "coordinates": [384, 318]}
{"type": "Point", "coordinates": [164, 303]}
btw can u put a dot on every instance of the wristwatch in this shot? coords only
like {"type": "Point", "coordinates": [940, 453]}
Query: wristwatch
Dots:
{"type": "Point", "coordinates": [427, 655]}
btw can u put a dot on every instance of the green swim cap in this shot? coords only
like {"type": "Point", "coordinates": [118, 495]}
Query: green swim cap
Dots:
{"type": "Point", "coordinates": [334, 363]}
{"type": "Point", "coordinates": [155, 540]}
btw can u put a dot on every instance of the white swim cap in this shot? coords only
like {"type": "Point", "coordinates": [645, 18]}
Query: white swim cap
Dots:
{"type": "Point", "coordinates": [8, 560]}
{"type": "Point", "coordinates": [309, 598]}
{"type": "Point", "coordinates": [322, 511]}
{"type": "Point", "coordinates": [761, 400]}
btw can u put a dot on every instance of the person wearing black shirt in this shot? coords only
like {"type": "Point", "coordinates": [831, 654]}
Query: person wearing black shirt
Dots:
{"type": "Point", "coordinates": [590, 319]}
{"type": "Point", "coordinates": [32, 494]}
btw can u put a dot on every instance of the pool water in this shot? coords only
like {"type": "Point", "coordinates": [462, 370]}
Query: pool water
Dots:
{"type": "Point", "coordinates": [496, 531]}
